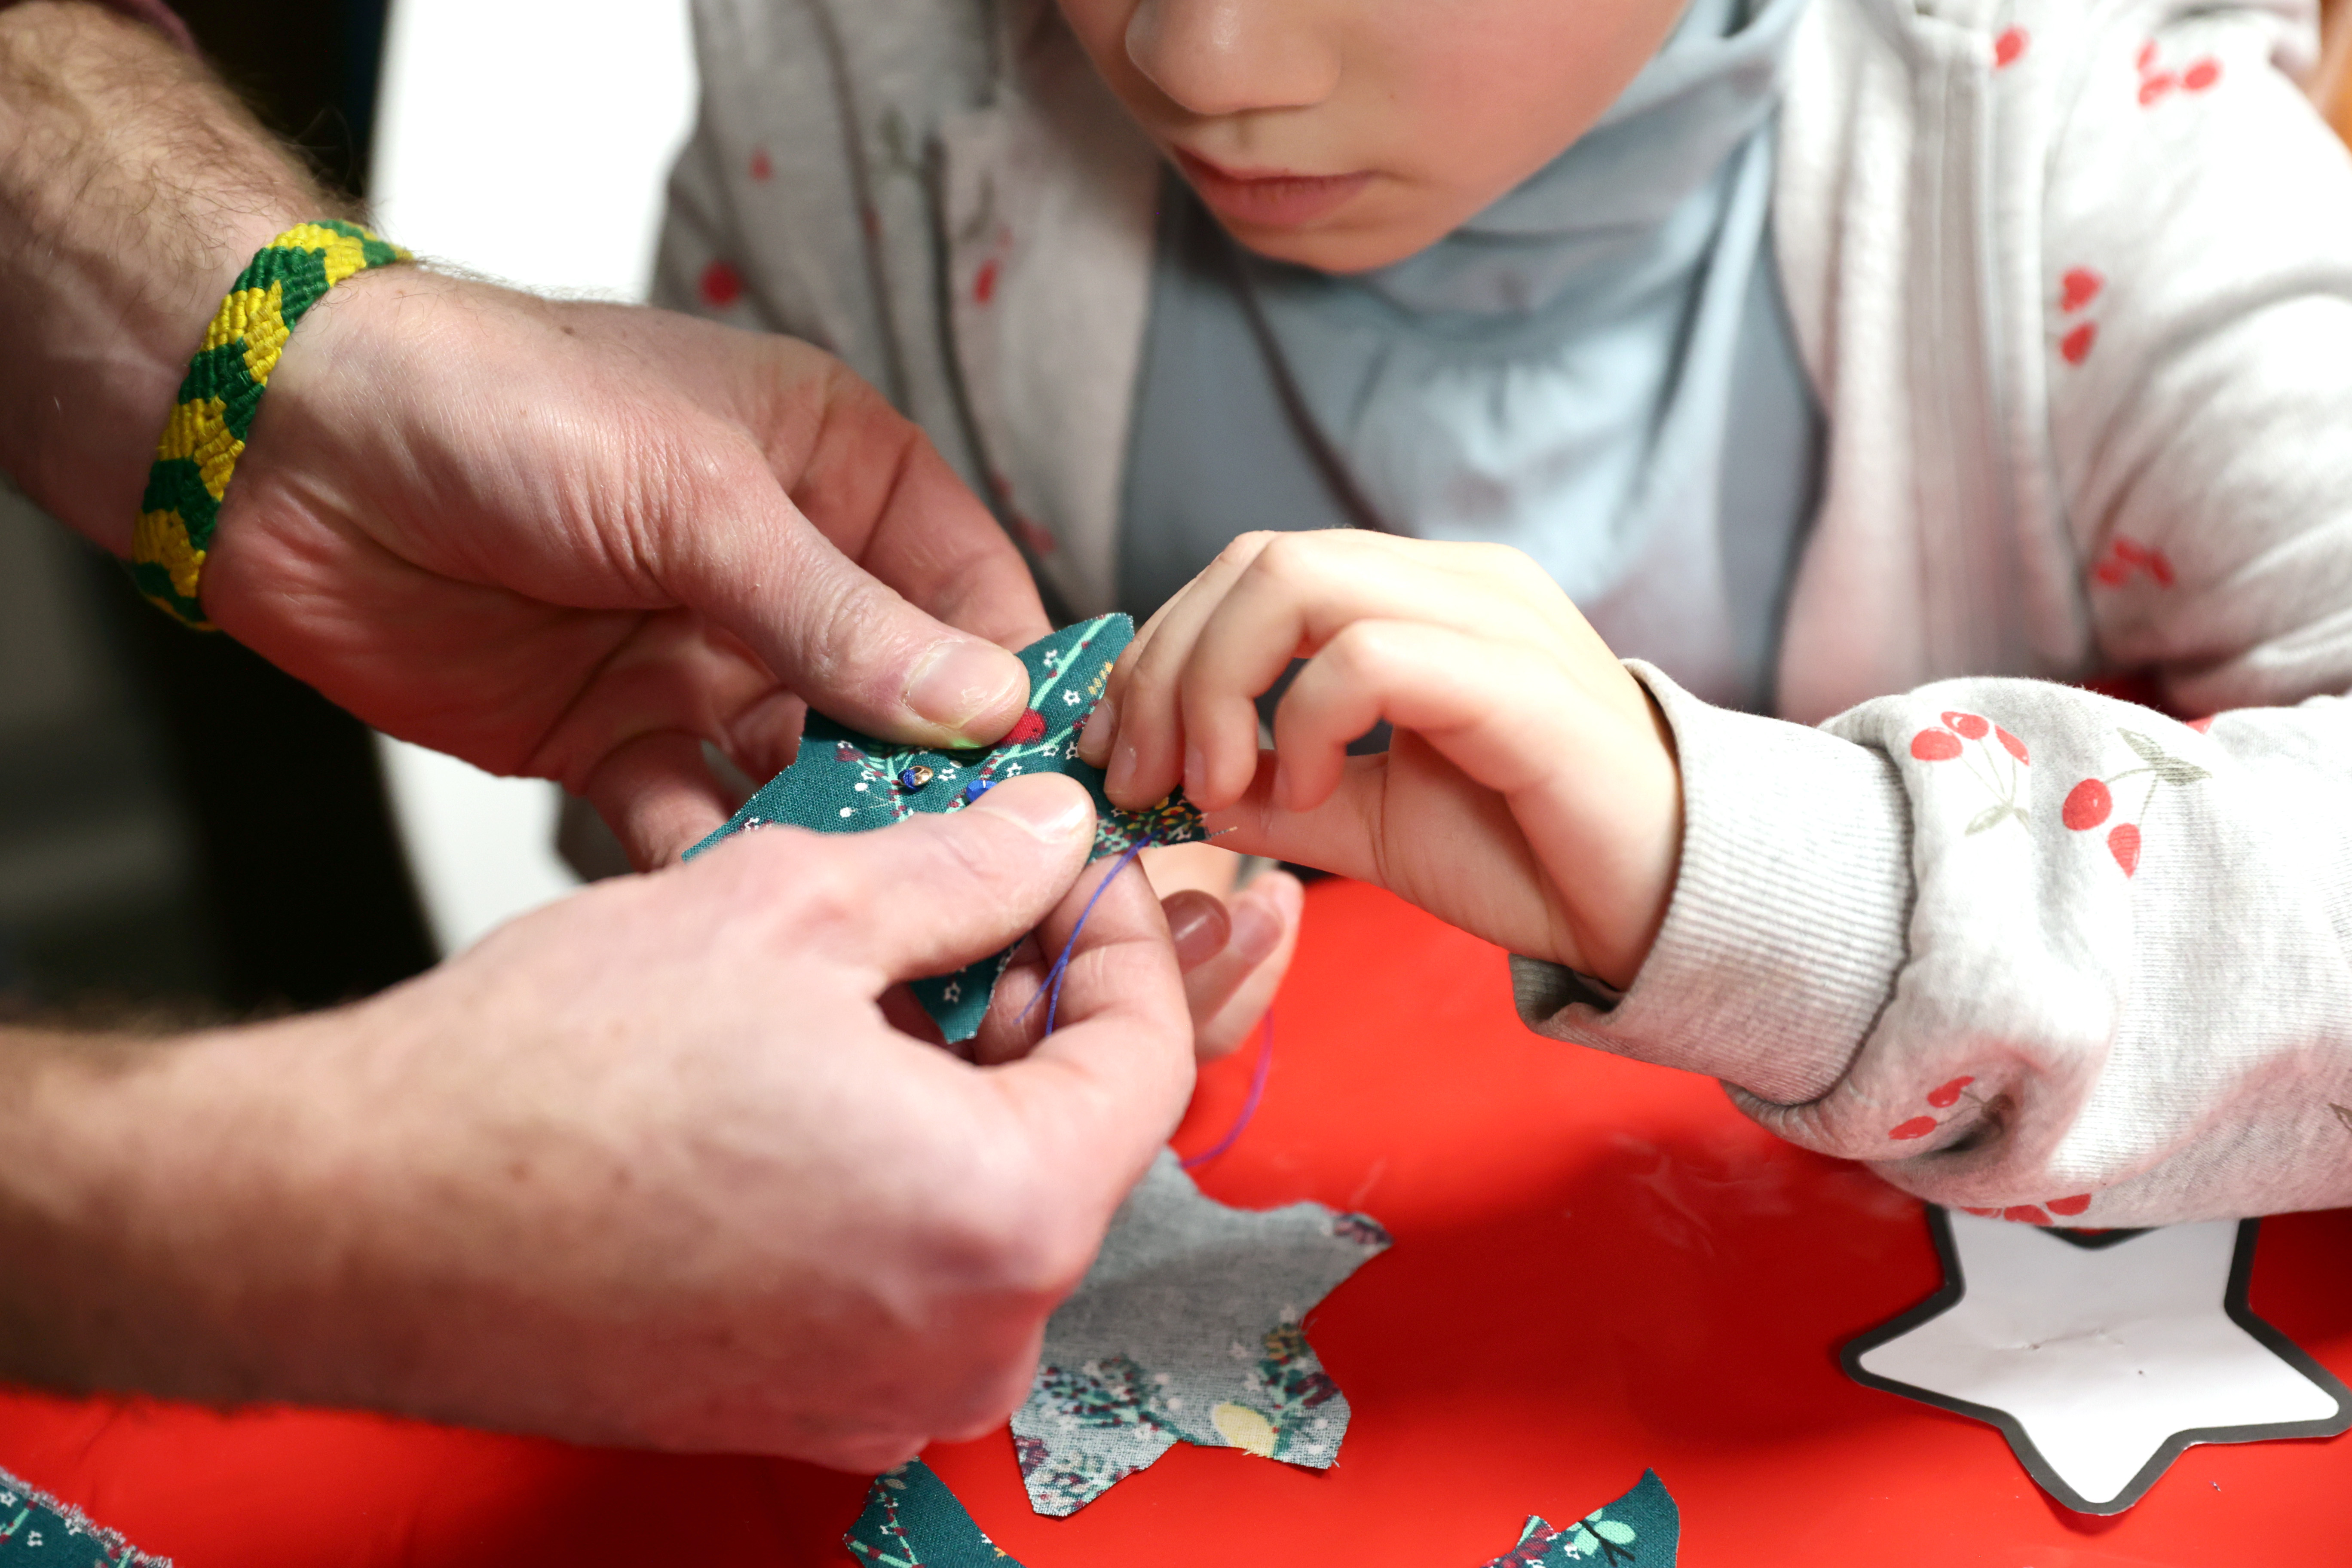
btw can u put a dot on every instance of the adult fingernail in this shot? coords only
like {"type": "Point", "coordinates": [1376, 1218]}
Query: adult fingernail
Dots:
{"type": "Point", "coordinates": [1096, 737]}
{"type": "Point", "coordinates": [960, 681]}
{"type": "Point", "coordinates": [1054, 815]}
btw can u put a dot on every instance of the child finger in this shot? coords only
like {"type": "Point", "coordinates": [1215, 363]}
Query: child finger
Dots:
{"type": "Point", "coordinates": [1227, 1007]}
{"type": "Point", "coordinates": [1421, 830]}
{"type": "Point", "coordinates": [1146, 753]}
{"type": "Point", "coordinates": [1303, 590]}
{"type": "Point", "coordinates": [1497, 712]}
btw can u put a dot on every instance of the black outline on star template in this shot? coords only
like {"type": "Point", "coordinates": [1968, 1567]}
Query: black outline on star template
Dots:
{"type": "Point", "coordinates": [2234, 1302]}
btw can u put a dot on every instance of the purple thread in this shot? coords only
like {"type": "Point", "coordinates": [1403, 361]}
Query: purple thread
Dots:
{"type": "Point", "coordinates": [1051, 991]}
{"type": "Point", "coordinates": [1052, 988]}
{"type": "Point", "coordinates": [1250, 1106]}
{"type": "Point", "coordinates": [1258, 1075]}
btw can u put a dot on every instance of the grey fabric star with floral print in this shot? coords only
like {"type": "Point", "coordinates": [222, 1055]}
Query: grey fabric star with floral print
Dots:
{"type": "Point", "coordinates": [1190, 1327]}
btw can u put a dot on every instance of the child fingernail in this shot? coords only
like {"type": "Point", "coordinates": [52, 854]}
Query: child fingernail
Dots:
{"type": "Point", "coordinates": [1122, 773]}
{"type": "Point", "coordinates": [1257, 931]}
{"type": "Point", "coordinates": [1094, 738]}
{"type": "Point", "coordinates": [1200, 927]}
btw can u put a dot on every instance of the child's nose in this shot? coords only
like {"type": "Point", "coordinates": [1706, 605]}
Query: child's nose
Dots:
{"type": "Point", "coordinates": [1230, 57]}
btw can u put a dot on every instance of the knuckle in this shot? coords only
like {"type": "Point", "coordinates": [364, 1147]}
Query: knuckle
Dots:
{"type": "Point", "coordinates": [1246, 548]}
{"type": "Point", "coordinates": [825, 893]}
{"type": "Point", "coordinates": [1288, 557]}
{"type": "Point", "coordinates": [1022, 1240]}
{"type": "Point", "coordinates": [1362, 651]}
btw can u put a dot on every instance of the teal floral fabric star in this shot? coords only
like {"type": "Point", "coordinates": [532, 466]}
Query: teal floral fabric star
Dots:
{"type": "Point", "coordinates": [843, 782]}
{"type": "Point", "coordinates": [912, 1520]}
{"type": "Point", "coordinates": [1188, 1328]}
{"type": "Point", "coordinates": [1640, 1530]}
{"type": "Point", "coordinates": [39, 1532]}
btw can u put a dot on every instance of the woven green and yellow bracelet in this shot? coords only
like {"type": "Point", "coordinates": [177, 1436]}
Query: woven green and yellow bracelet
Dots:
{"type": "Point", "coordinates": [205, 434]}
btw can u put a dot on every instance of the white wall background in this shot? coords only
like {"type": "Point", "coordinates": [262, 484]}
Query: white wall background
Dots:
{"type": "Point", "coordinates": [529, 140]}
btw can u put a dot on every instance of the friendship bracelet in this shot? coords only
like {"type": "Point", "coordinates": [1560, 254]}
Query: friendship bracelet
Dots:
{"type": "Point", "coordinates": [205, 434]}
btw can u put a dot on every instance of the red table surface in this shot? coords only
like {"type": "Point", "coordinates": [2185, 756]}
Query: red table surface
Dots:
{"type": "Point", "coordinates": [1599, 1266]}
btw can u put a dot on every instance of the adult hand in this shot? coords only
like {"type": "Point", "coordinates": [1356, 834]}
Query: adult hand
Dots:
{"type": "Point", "coordinates": [648, 1166]}
{"type": "Point", "coordinates": [577, 541]}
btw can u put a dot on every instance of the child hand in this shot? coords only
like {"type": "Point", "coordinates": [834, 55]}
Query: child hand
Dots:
{"type": "Point", "coordinates": [1530, 794]}
{"type": "Point", "coordinates": [1234, 940]}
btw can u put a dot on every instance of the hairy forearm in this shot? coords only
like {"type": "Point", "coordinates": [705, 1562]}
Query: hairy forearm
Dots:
{"type": "Point", "coordinates": [132, 187]}
{"type": "Point", "coordinates": [98, 1292]}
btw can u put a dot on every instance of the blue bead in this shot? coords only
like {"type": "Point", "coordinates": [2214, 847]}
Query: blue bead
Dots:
{"type": "Point", "coordinates": [915, 777]}
{"type": "Point", "coordinates": [977, 788]}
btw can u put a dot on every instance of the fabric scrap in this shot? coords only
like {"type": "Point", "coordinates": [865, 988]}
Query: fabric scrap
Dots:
{"type": "Point", "coordinates": [1640, 1530]}
{"type": "Point", "coordinates": [913, 1521]}
{"type": "Point", "coordinates": [843, 782]}
{"type": "Point", "coordinates": [1190, 1327]}
{"type": "Point", "coordinates": [40, 1531]}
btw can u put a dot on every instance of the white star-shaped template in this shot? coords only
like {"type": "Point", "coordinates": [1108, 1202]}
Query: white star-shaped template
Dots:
{"type": "Point", "coordinates": [2100, 1355]}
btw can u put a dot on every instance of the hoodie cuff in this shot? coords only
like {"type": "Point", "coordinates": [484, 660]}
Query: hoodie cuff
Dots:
{"type": "Point", "coordinates": [1788, 922]}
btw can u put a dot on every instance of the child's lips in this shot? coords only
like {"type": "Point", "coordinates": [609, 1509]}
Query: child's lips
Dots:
{"type": "Point", "coordinates": [1268, 198]}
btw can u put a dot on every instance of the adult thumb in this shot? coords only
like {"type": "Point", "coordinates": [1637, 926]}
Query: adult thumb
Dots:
{"type": "Point", "coordinates": [935, 892]}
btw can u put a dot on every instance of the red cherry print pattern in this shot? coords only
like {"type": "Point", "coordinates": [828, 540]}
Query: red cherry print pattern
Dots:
{"type": "Point", "coordinates": [1025, 728]}
{"type": "Point", "coordinates": [2155, 84]}
{"type": "Point", "coordinates": [2078, 288]}
{"type": "Point", "coordinates": [1943, 1097]}
{"type": "Point", "coordinates": [2123, 842]}
{"type": "Point", "coordinates": [1949, 738]}
{"type": "Point", "coordinates": [2026, 1213]}
{"type": "Point", "coordinates": [2090, 803]}
{"type": "Point", "coordinates": [2087, 806]}
{"type": "Point", "coordinates": [763, 168]}
{"type": "Point", "coordinates": [2075, 346]}
{"type": "Point", "coordinates": [722, 285]}
{"type": "Point", "coordinates": [2128, 558]}
{"type": "Point", "coordinates": [2069, 1207]}
{"type": "Point", "coordinates": [983, 282]}
{"type": "Point", "coordinates": [2008, 47]}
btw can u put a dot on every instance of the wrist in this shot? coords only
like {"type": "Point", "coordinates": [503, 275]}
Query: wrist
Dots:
{"type": "Point", "coordinates": [132, 190]}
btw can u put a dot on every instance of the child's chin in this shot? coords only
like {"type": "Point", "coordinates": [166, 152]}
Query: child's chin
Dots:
{"type": "Point", "coordinates": [1338, 245]}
